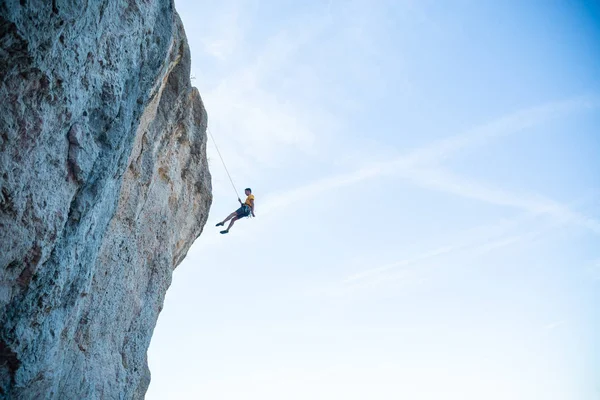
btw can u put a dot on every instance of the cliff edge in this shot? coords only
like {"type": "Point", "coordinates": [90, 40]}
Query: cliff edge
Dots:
{"type": "Point", "coordinates": [104, 186]}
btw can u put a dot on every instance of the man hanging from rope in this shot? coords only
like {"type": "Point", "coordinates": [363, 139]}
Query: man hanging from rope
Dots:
{"type": "Point", "coordinates": [246, 208]}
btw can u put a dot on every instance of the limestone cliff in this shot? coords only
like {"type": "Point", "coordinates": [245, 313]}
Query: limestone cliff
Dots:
{"type": "Point", "coordinates": [104, 185]}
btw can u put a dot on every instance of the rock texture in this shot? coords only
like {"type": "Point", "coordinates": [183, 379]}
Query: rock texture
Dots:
{"type": "Point", "coordinates": [104, 185]}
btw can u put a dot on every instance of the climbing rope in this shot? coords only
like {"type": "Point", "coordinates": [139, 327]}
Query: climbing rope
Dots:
{"type": "Point", "coordinates": [221, 157]}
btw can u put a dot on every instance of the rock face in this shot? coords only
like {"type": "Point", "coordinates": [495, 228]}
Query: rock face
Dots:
{"type": "Point", "coordinates": [104, 185]}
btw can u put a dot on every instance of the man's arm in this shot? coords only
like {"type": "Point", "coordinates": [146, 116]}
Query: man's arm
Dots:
{"type": "Point", "coordinates": [252, 207]}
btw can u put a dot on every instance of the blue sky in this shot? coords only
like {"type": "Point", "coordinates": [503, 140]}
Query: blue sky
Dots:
{"type": "Point", "coordinates": [427, 200]}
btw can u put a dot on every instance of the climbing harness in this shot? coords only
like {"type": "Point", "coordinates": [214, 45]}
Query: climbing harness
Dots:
{"type": "Point", "coordinates": [246, 210]}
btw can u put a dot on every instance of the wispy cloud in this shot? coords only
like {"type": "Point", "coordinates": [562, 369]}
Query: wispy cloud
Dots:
{"type": "Point", "coordinates": [411, 166]}
{"type": "Point", "coordinates": [414, 270]}
{"type": "Point", "coordinates": [225, 35]}
{"type": "Point", "coordinates": [507, 125]}
{"type": "Point", "coordinates": [257, 122]}
{"type": "Point", "coordinates": [470, 244]}
{"type": "Point", "coordinates": [437, 179]}
{"type": "Point", "coordinates": [474, 242]}
{"type": "Point", "coordinates": [555, 324]}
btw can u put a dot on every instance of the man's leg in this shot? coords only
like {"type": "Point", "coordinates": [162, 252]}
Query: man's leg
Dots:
{"type": "Point", "coordinates": [233, 214]}
{"type": "Point", "coordinates": [230, 224]}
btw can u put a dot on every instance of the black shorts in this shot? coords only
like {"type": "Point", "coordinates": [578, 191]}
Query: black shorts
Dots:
{"type": "Point", "coordinates": [243, 211]}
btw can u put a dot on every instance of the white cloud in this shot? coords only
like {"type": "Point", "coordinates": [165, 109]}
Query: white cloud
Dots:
{"type": "Point", "coordinates": [410, 166]}
{"type": "Point", "coordinates": [555, 324]}
{"type": "Point", "coordinates": [469, 245]}
{"type": "Point", "coordinates": [507, 125]}
{"type": "Point", "coordinates": [255, 121]}
{"type": "Point", "coordinates": [474, 243]}
{"type": "Point", "coordinates": [446, 182]}
{"type": "Point", "coordinates": [225, 37]}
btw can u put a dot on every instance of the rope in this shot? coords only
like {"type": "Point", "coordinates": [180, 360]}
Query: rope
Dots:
{"type": "Point", "coordinates": [221, 157]}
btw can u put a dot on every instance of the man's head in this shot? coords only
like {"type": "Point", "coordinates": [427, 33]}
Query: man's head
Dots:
{"type": "Point", "coordinates": [248, 191]}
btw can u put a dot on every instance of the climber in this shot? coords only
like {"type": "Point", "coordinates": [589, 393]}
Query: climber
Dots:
{"type": "Point", "coordinates": [246, 208]}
